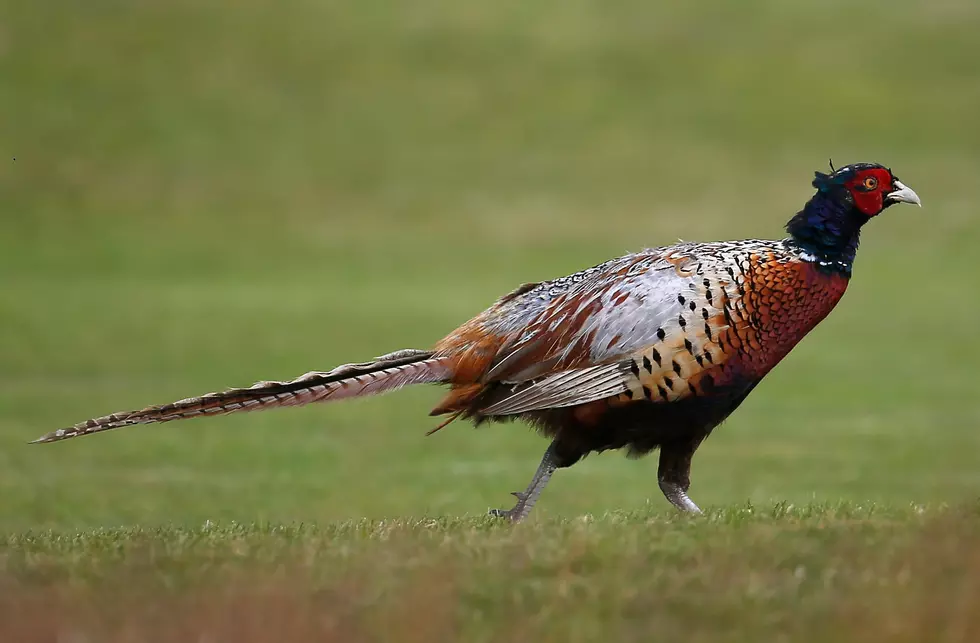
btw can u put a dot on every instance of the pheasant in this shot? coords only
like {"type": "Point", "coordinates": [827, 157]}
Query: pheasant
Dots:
{"type": "Point", "coordinates": [649, 350]}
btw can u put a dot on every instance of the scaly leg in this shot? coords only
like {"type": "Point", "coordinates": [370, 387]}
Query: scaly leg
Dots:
{"type": "Point", "coordinates": [675, 473]}
{"type": "Point", "coordinates": [527, 498]}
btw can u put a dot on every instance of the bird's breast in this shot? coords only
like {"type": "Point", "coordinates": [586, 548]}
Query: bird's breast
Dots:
{"type": "Point", "coordinates": [781, 302]}
{"type": "Point", "coordinates": [734, 326]}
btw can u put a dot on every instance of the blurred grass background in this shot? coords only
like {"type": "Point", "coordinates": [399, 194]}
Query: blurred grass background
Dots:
{"type": "Point", "coordinates": [195, 195]}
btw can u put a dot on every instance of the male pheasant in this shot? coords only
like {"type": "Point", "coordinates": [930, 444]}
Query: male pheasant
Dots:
{"type": "Point", "coordinates": [649, 350]}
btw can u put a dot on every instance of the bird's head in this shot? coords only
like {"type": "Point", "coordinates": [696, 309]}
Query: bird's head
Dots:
{"type": "Point", "coordinates": [868, 188]}
{"type": "Point", "coordinates": [829, 225]}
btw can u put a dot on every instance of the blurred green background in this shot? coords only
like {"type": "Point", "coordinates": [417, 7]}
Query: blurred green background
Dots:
{"type": "Point", "coordinates": [203, 194]}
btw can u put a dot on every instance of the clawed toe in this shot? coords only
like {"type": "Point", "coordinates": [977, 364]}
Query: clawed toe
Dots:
{"type": "Point", "coordinates": [510, 514]}
{"type": "Point", "coordinates": [527, 498]}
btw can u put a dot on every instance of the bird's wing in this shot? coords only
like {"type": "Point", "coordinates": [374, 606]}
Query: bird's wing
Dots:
{"type": "Point", "coordinates": [655, 324]}
{"type": "Point", "coordinates": [606, 313]}
{"type": "Point", "coordinates": [567, 388]}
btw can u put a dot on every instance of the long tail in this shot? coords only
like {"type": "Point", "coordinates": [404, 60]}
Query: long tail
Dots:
{"type": "Point", "coordinates": [386, 373]}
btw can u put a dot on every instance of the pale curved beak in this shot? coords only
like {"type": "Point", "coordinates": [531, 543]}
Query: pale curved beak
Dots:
{"type": "Point", "coordinates": [903, 194]}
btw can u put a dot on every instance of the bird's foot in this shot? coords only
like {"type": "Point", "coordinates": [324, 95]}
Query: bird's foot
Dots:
{"type": "Point", "coordinates": [679, 498]}
{"type": "Point", "coordinates": [527, 498]}
{"type": "Point", "coordinates": [516, 513]}
{"type": "Point", "coordinates": [510, 514]}
{"type": "Point", "coordinates": [689, 507]}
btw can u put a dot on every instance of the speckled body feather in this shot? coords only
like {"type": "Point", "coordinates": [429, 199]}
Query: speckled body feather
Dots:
{"type": "Point", "coordinates": [649, 350]}
{"type": "Point", "coordinates": [641, 350]}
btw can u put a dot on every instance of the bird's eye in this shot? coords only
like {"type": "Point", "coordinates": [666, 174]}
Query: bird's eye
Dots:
{"type": "Point", "coordinates": [870, 183]}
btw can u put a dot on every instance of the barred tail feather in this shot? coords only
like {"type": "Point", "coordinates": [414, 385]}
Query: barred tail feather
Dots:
{"type": "Point", "coordinates": [386, 373]}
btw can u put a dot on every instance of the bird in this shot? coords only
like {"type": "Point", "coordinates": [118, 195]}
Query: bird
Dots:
{"type": "Point", "coordinates": [651, 350]}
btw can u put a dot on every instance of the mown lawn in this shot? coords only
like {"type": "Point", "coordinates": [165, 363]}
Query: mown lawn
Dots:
{"type": "Point", "coordinates": [196, 195]}
{"type": "Point", "coordinates": [840, 572]}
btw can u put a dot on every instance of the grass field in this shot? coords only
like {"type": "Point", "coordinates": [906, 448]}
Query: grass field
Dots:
{"type": "Point", "coordinates": [829, 573]}
{"type": "Point", "coordinates": [195, 195]}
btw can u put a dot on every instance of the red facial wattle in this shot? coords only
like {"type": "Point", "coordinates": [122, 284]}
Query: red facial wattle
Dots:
{"type": "Point", "coordinates": [868, 188]}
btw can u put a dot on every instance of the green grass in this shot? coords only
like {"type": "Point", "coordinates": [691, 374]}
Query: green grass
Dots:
{"type": "Point", "coordinates": [210, 193]}
{"type": "Point", "coordinates": [742, 573]}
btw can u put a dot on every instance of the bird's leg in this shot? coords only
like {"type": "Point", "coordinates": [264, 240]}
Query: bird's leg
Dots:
{"type": "Point", "coordinates": [527, 498]}
{"type": "Point", "coordinates": [675, 473]}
